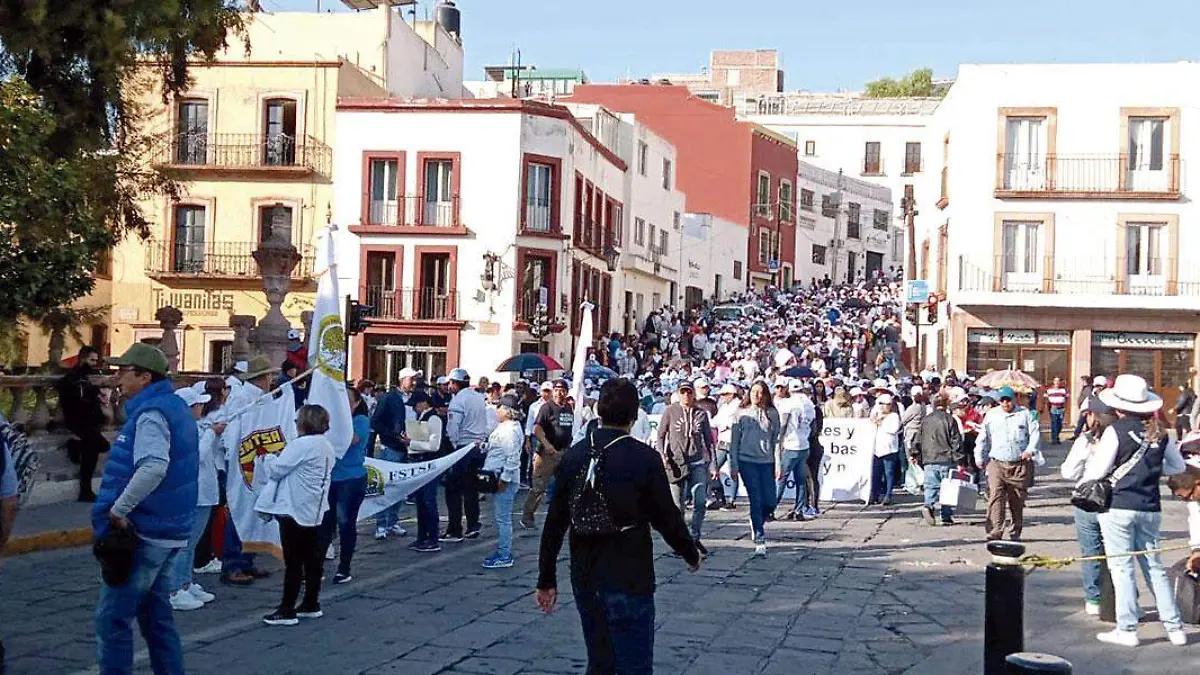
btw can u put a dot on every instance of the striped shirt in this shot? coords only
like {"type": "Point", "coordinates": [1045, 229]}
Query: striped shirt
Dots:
{"type": "Point", "coordinates": [1056, 397]}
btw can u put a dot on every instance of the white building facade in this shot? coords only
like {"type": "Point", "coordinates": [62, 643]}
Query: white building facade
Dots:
{"type": "Point", "coordinates": [1058, 217]}
{"type": "Point", "coordinates": [712, 256]}
{"type": "Point", "coordinates": [466, 221]}
{"type": "Point", "coordinates": [844, 227]}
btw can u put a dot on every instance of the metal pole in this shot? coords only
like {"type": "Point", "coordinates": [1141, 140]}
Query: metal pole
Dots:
{"type": "Point", "coordinates": [1004, 606]}
{"type": "Point", "coordinates": [910, 232]}
{"type": "Point", "coordinates": [916, 367]}
{"type": "Point", "coordinates": [1026, 663]}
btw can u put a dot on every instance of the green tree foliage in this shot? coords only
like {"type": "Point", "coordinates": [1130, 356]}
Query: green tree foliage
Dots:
{"type": "Point", "coordinates": [73, 152]}
{"type": "Point", "coordinates": [918, 83]}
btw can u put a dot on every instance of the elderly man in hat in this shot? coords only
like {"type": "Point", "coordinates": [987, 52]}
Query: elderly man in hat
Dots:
{"type": "Point", "coordinates": [1007, 444]}
{"type": "Point", "coordinates": [150, 487]}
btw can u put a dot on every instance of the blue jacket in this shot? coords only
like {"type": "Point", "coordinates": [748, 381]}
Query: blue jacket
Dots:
{"type": "Point", "coordinates": [169, 511]}
{"type": "Point", "coordinates": [390, 415]}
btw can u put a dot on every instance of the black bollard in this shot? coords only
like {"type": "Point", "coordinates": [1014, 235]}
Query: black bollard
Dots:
{"type": "Point", "coordinates": [1108, 595]}
{"type": "Point", "coordinates": [1004, 606]}
{"type": "Point", "coordinates": [1028, 663]}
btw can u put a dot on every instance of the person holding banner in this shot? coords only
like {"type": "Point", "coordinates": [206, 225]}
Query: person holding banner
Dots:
{"type": "Point", "coordinates": [886, 424]}
{"type": "Point", "coordinates": [391, 415]}
{"type": "Point", "coordinates": [347, 489]}
{"type": "Point", "coordinates": [430, 443]}
{"type": "Point", "coordinates": [504, 459]}
{"type": "Point", "coordinates": [752, 448]}
{"type": "Point", "coordinates": [297, 496]}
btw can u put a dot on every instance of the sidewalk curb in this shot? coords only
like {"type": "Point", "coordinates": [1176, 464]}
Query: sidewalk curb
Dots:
{"type": "Point", "coordinates": [47, 541]}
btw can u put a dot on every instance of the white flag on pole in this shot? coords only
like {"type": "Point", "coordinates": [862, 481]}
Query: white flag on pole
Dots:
{"type": "Point", "coordinates": [580, 362]}
{"type": "Point", "coordinates": [327, 354]}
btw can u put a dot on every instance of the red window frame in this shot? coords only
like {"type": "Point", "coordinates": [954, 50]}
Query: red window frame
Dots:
{"type": "Point", "coordinates": [455, 159]}
{"type": "Point", "coordinates": [556, 187]}
{"type": "Point", "coordinates": [369, 156]}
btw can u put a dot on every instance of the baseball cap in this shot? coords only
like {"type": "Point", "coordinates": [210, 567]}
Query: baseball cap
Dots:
{"type": "Point", "coordinates": [884, 398]}
{"type": "Point", "coordinates": [686, 385]}
{"type": "Point", "coordinates": [546, 386]}
{"type": "Point", "coordinates": [442, 380]}
{"type": "Point", "coordinates": [192, 397]}
{"type": "Point", "coordinates": [144, 356]}
{"type": "Point", "coordinates": [407, 372]}
{"type": "Point", "coordinates": [700, 383]}
{"type": "Point", "coordinates": [795, 385]}
{"type": "Point", "coordinates": [729, 388]}
{"type": "Point", "coordinates": [1100, 381]}
{"type": "Point", "coordinates": [561, 384]}
{"type": "Point", "coordinates": [1005, 392]}
{"type": "Point", "coordinates": [458, 375]}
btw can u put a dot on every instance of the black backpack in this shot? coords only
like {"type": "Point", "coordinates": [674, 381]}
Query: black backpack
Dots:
{"type": "Point", "coordinates": [1187, 592]}
{"type": "Point", "coordinates": [590, 515]}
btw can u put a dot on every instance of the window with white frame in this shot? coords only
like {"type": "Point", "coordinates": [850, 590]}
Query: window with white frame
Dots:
{"type": "Point", "coordinates": [653, 239]}
{"type": "Point", "coordinates": [663, 235]}
{"type": "Point", "coordinates": [188, 256]}
{"type": "Point", "coordinates": [764, 194]}
{"type": "Point", "coordinates": [1144, 246]}
{"type": "Point", "coordinates": [384, 202]}
{"type": "Point", "coordinates": [786, 208]}
{"type": "Point", "coordinates": [539, 191]}
{"type": "Point", "coordinates": [1021, 255]}
{"type": "Point", "coordinates": [643, 153]}
{"type": "Point", "coordinates": [810, 148]}
{"type": "Point", "coordinates": [439, 174]}
{"type": "Point", "coordinates": [1025, 153]}
{"type": "Point", "coordinates": [1148, 139]}
{"type": "Point", "coordinates": [764, 246]}
{"type": "Point", "coordinates": [639, 231]}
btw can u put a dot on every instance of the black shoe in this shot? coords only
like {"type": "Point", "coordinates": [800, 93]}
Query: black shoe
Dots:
{"type": "Point", "coordinates": [86, 497]}
{"type": "Point", "coordinates": [472, 533]}
{"type": "Point", "coordinates": [946, 522]}
{"type": "Point", "coordinates": [278, 618]}
{"type": "Point", "coordinates": [887, 501]}
{"type": "Point", "coordinates": [703, 551]}
{"type": "Point", "coordinates": [425, 546]}
{"type": "Point", "coordinates": [313, 612]}
{"type": "Point", "coordinates": [452, 538]}
{"type": "Point", "coordinates": [927, 515]}
{"type": "Point", "coordinates": [790, 516]}
{"type": "Point", "coordinates": [729, 506]}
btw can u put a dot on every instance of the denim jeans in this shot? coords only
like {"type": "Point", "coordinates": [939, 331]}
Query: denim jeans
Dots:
{"type": "Point", "coordinates": [618, 629]}
{"type": "Point", "coordinates": [502, 504]}
{"type": "Point", "coordinates": [759, 480]}
{"type": "Point", "coordinates": [391, 515]}
{"type": "Point", "coordinates": [427, 512]}
{"type": "Point", "coordinates": [934, 475]}
{"type": "Point", "coordinates": [1056, 424]}
{"type": "Point", "coordinates": [144, 597]}
{"type": "Point", "coordinates": [1126, 531]}
{"type": "Point", "coordinates": [181, 573]}
{"type": "Point", "coordinates": [1087, 531]}
{"type": "Point", "coordinates": [718, 489]}
{"type": "Point", "coordinates": [884, 479]}
{"type": "Point", "coordinates": [345, 499]}
{"type": "Point", "coordinates": [695, 483]}
{"type": "Point", "coordinates": [793, 466]}
{"type": "Point", "coordinates": [232, 558]}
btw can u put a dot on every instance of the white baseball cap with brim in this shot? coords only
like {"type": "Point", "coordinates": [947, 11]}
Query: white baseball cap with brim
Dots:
{"type": "Point", "coordinates": [192, 397]}
{"type": "Point", "coordinates": [407, 372]}
{"type": "Point", "coordinates": [728, 388]}
{"type": "Point", "coordinates": [1131, 394]}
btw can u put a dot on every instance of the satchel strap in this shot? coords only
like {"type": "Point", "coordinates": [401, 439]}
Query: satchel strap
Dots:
{"type": "Point", "coordinates": [1121, 471]}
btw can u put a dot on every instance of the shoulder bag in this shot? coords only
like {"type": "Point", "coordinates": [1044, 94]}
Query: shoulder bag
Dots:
{"type": "Point", "coordinates": [1095, 496]}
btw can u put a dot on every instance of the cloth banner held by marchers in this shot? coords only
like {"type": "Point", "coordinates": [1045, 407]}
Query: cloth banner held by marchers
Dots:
{"type": "Point", "coordinates": [388, 482]}
{"type": "Point", "coordinates": [264, 426]}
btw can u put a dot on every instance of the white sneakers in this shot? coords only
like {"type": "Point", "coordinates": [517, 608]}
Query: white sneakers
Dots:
{"type": "Point", "coordinates": [184, 601]}
{"type": "Point", "coordinates": [213, 567]}
{"type": "Point", "coordinates": [1092, 608]}
{"type": "Point", "coordinates": [381, 533]}
{"type": "Point", "coordinates": [398, 530]}
{"type": "Point", "coordinates": [760, 549]}
{"type": "Point", "coordinates": [331, 553]}
{"type": "Point", "coordinates": [1129, 638]}
{"type": "Point", "coordinates": [200, 594]}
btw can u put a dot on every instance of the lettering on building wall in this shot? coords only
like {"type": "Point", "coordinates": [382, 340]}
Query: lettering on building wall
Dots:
{"type": "Point", "coordinates": [195, 303]}
{"type": "Point", "coordinates": [1143, 340]}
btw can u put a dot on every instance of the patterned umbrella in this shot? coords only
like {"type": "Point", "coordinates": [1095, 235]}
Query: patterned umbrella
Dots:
{"type": "Point", "coordinates": [523, 362]}
{"type": "Point", "coordinates": [1008, 378]}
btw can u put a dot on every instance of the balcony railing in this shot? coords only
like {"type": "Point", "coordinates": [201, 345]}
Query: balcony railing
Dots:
{"type": "Point", "coordinates": [1079, 277]}
{"type": "Point", "coordinates": [214, 260]}
{"type": "Point", "coordinates": [1087, 176]}
{"type": "Point", "coordinates": [412, 304]}
{"type": "Point", "coordinates": [243, 151]}
{"type": "Point", "coordinates": [413, 211]}
{"type": "Point", "coordinates": [538, 215]}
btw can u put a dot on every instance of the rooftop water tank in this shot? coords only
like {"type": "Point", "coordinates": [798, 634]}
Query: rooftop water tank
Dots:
{"type": "Point", "coordinates": [449, 18]}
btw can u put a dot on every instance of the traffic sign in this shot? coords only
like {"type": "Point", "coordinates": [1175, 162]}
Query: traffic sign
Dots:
{"type": "Point", "coordinates": [916, 291]}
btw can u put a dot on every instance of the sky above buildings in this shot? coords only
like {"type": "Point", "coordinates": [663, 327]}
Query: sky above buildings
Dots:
{"type": "Point", "coordinates": [825, 46]}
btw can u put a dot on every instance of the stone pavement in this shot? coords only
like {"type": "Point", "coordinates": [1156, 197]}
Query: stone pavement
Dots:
{"type": "Point", "coordinates": [859, 591]}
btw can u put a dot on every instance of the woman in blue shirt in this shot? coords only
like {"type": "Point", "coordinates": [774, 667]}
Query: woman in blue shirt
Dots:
{"type": "Point", "coordinates": [348, 489]}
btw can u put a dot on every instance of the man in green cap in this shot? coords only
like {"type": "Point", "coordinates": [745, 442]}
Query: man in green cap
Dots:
{"type": "Point", "coordinates": [1007, 444]}
{"type": "Point", "coordinates": [149, 487]}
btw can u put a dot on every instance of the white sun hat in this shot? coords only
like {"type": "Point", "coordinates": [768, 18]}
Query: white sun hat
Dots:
{"type": "Point", "coordinates": [1131, 394]}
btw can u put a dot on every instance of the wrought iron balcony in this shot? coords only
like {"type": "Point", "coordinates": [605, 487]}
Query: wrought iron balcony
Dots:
{"type": "Point", "coordinates": [1082, 277]}
{"type": "Point", "coordinates": [1088, 176]}
{"type": "Point", "coordinates": [412, 211]}
{"type": "Point", "coordinates": [411, 304]}
{"type": "Point", "coordinates": [241, 152]}
{"type": "Point", "coordinates": [166, 260]}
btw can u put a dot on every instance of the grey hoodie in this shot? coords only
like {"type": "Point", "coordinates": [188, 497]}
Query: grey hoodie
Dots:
{"type": "Point", "coordinates": [754, 437]}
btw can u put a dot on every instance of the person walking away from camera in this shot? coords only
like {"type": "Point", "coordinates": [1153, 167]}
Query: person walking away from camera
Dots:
{"type": "Point", "coordinates": [1007, 444]}
{"type": "Point", "coordinates": [610, 491]}
{"type": "Point", "coordinates": [297, 496]}
{"type": "Point", "coordinates": [436, 445]}
{"type": "Point", "coordinates": [347, 490]}
{"type": "Point", "coordinates": [1056, 404]}
{"type": "Point", "coordinates": [504, 459]}
{"type": "Point", "coordinates": [187, 595]}
{"type": "Point", "coordinates": [1137, 452]}
{"type": "Point", "coordinates": [9, 501]}
{"type": "Point", "coordinates": [938, 448]}
{"type": "Point", "coordinates": [83, 415]}
{"type": "Point", "coordinates": [1087, 524]}
{"type": "Point", "coordinates": [150, 487]}
{"type": "Point", "coordinates": [466, 424]}
{"type": "Point", "coordinates": [392, 414]}
{"type": "Point", "coordinates": [886, 427]}
{"type": "Point", "coordinates": [1183, 410]}
{"type": "Point", "coordinates": [552, 431]}
{"type": "Point", "coordinates": [686, 445]}
{"type": "Point", "coordinates": [752, 448]}
{"type": "Point", "coordinates": [796, 421]}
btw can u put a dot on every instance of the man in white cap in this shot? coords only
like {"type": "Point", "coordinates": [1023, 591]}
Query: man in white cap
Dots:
{"type": "Point", "coordinates": [796, 416]}
{"type": "Point", "coordinates": [466, 424]}
{"type": "Point", "coordinates": [728, 408]}
{"type": "Point", "coordinates": [390, 422]}
{"type": "Point", "coordinates": [530, 424]}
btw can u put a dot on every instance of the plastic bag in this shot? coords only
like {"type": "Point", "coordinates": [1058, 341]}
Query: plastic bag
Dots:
{"type": "Point", "coordinates": [914, 480]}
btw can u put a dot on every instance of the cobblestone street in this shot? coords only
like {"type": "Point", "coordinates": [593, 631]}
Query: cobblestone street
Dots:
{"type": "Point", "coordinates": [862, 591]}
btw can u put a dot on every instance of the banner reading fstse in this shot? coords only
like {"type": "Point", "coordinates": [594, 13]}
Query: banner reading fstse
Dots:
{"type": "Point", "coordinates": [845, 464]}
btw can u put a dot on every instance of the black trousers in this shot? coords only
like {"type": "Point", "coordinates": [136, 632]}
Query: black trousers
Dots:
{"type": "Point", "coordinates": [303, 563]}
{"type": "Point", "coordinates": [89, 446]}
{"type": "Point", "coordinates": [462, 496]}
{"type": "Point", "coordinates": [813, 479]}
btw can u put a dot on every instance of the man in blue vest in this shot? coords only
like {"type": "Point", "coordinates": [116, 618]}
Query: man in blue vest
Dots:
{"type": "Point", "coordinates": [150, 487]}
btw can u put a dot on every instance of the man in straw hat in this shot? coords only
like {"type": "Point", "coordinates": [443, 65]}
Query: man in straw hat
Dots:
{"type": "Point", "coordinates": [150, 487]}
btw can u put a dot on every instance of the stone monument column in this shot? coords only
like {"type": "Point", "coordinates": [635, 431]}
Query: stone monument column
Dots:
{"type": "Point", "coordinates": [242, 324]}
{"type": "Point", "coordinates": [276, 258]}
{"type": "Point", "coordinates": [169, 318]}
